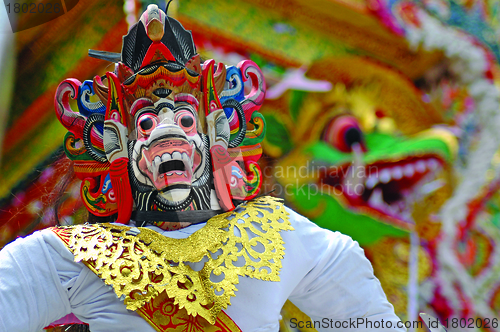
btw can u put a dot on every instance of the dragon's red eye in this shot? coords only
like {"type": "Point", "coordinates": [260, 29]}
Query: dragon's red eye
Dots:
{"type": "Point", "coordinates": [343, 132]}
{"type": "Point", "coordinates": [146, 123]}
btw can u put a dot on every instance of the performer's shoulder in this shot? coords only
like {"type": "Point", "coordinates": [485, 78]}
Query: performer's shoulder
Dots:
{"type": "Point", "coordinates": [314, 237]}
{"type": "Point", "coordinates": [43, 242]}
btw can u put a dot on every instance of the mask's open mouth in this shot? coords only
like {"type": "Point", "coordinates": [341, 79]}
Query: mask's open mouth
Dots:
{"type": "Point", "coordinates": [387, 189]}
{"type": "Point", "coordinates": [168, 161]}
{"type": "Point", "coordinates": [171, 166]}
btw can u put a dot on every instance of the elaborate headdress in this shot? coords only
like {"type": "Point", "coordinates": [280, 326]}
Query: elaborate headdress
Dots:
{"type": "Point", "coordinates": [177, 139]}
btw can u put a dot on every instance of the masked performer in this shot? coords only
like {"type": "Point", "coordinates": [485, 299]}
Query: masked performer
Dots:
{"type": "Point", "coordinates": [171, 150]}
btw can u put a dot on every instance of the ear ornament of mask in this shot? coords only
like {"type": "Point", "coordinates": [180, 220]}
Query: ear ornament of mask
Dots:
{"type": "Point", "coordinates": [83, 144]}
{"type": "Point", "coordinates": [116, 148]}
{"type": "Point", "coordinates": [219, 134]}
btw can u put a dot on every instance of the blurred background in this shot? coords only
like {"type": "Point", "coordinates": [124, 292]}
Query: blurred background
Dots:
{"type": "Point", "coordinates": [383, 122]}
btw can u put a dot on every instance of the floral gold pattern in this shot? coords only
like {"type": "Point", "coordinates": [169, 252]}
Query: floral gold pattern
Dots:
{"type": "Point", "coordinates": [199, 272]}
{"type": "Point", "coordinates": [165, 316]}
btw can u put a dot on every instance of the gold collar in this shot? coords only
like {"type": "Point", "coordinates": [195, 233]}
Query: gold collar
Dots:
{"type": "Point", "coordinates": [140, 263]}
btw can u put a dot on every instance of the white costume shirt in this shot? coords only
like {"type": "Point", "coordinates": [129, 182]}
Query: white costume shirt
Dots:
{"type": "Point", "coordinates": [324, 273]}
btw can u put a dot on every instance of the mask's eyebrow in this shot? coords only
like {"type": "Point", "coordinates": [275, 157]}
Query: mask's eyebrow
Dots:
{"type": "Point", "coordinates": [140, 104]}
{"type": "Point", "coordinates": [188, 98]}
{"type": "Point", "coordinates": [144, 111]}
{"type": "Point", "coordinates": [183, 106]}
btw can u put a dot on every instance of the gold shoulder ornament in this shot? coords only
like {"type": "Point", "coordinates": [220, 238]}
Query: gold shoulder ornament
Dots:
{"type": "Point", "coordinates": [198, 273]}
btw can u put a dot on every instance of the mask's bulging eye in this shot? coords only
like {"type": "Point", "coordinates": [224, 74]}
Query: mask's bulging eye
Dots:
{"type": "Point", "coordinates": [186, 121]}
{"type": "Point", "coordinates": [343, 132]}
{"type": "Point", "coordinates": [146, 123]}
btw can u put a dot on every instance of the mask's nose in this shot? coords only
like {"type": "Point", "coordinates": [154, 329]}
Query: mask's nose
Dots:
{"type": "Point", "coordinates": [165, 112]}
{"type": "Point", "coordinates": [166, 118]}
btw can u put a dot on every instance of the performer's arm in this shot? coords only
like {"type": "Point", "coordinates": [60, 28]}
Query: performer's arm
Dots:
{"type": "Point", "coordinates": [31, 293]}
{"type": "Point", "coordinates": [341, 285]}
{"type": "Point", "coordinates": [40, 283]}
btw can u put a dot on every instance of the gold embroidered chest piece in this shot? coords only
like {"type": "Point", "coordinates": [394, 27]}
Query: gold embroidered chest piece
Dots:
{"type": "Point", "coordinates": [199, 273]}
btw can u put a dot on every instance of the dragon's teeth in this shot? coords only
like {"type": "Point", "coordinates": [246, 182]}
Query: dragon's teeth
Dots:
{"type": "Point", "coordinates": [376, 199]}
{"type": "Point", "coordinates": [385, 176]}
{"type": "Point", "coordinates": [371, 182]}
{"type": "Point", "coordinates": [432, 164]}
{"type": "Point", "coordinates": [420, 166]}
{"type": "Point", "coordinates": [397, 172]}
{"type": "Point", "coordinates": [431, 186]}
{"type": "Point", "coordinates": [409, 170]}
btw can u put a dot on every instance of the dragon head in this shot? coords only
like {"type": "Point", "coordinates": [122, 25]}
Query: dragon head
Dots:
{"type": "Point", "coordinates": [361, 158]}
